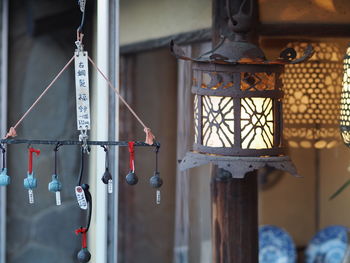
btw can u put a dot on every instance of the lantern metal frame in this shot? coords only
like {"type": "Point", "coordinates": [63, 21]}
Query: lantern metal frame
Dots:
{"type": "Point", "coordinates": [231, 78]}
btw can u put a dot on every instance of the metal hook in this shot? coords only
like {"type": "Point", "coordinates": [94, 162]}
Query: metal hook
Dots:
{"type": "Point", "coordinates": [58, 145]}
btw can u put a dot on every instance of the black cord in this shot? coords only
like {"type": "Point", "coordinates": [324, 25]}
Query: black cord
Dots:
{"type": "Point", "coordinates": [81, 167]}
{"type": "Point", "coordinates": [157, 151]}
{"type": "Point", "coordinates": [89, 200]}
{"type": "Point", "coordinates": [3, 156]}
{"type": "Point", "coordinates": [56, 158]}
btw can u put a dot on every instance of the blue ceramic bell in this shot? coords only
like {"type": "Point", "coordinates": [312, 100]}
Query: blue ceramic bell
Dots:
{"type": "Point", "coordinates": [30, 182]}
{"type": "Point", "coordinates": [55, 185]}
{"type": "Point", "coordinates": [4, 178]}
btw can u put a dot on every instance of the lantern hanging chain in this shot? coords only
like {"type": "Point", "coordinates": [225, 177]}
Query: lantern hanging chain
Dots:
{"type": "Point", "coordinates": [149, 136]}
{"type": "Point", "coordinates": [12, 131]}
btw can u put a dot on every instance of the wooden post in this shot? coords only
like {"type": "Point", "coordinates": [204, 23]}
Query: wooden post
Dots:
{"type": "Point", "coordinates": [234, 201]}
{"type": "Point", "coordinates": [234, 218]}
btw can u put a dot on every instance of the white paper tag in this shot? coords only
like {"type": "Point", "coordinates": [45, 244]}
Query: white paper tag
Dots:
{"type": "Point", "coordinates": [158, 197]}
{"type": "Point", "coordinates": [110, 186]}
{"type": "Point", "coordinates": [82, 90]}
{"type": "Point", "coordinates": [58, 198]}
{"type": "Point", "coordinates": [31, 196]}
{"type": "Point", "coordinates": [79, 192]}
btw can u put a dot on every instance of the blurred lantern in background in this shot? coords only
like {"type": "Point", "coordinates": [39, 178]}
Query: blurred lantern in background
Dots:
{"type": "Point", "coordinates": [312, 94]}
{"type": "Point", "coordinates": [345, 101]}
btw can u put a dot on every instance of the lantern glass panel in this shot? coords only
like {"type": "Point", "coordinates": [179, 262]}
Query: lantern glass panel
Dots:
{"type": "Point", "coordinates": [257, 123]}
{"type": "Point", "coordinates": [217, 121]}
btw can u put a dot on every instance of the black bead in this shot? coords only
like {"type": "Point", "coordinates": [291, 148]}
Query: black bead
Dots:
{"type": "Point", "coordinates": [131, 178]}
{"type": "Point", "coordinates": [85, 186]}
{"type": "Point", "coordinates": [156, 181]}
{"type": "Point", "coordinates": [106, 176]}
{"type": "Point", "coordinates": [84, 255]}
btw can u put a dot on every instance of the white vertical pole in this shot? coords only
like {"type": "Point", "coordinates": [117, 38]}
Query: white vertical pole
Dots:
{"type": "Point", "coordinates": [3, 121]}
{"type": "Point", "coordinates": [100, 92]}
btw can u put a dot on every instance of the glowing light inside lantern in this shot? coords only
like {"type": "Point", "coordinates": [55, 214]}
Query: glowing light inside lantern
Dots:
{"type": "Point", "coordinates": [257, 123]}
{"type": "Point", "coordinates": [217, 121]}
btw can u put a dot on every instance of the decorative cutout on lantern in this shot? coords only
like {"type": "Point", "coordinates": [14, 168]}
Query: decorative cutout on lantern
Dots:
{"type": "Point", "coordinates": [345, 101]}
{"type": "Point", "coordinates": [312, 94]}
{"type": "Point", "coordinates": [257, 81]}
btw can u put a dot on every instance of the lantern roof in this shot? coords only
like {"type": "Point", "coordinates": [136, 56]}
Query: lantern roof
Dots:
{"type": "Point", "coordinates": [242, 52]}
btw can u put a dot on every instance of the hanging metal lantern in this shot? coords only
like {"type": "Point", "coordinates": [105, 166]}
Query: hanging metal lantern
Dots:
{"type": "Point", "coordinates": [345, 101]}
{"type": "Point", "coordinates": [238, 107]}
{"type": "Point", "coordinates": [312, 94]}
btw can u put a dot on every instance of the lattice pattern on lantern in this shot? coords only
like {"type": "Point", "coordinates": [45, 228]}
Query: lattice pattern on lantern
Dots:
{"type": "Point", "coordinates": [217, 121]}
{"type": "Point", "coordinates": [257, 123]}
{"type": "Point", "coordinates": [312, 94]}
{"type": "Point", "coordinates": [257, 81]}
{"type": "Point", "coordinates": [345, 101]}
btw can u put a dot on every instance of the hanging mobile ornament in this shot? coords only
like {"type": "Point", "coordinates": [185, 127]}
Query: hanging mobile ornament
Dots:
{"type": "Point", "coordinates": [155, 181]}
{"type": "Point", "coordinates": [4, 178]}
{"type": "Point", "coordinates": [131, 178]}
{"type": "Point", "coordinates": [55, 185]}
{"type": "Point", "coordinates": [31, 182]}
{"type": "Point", "coordinates": [107, 177]}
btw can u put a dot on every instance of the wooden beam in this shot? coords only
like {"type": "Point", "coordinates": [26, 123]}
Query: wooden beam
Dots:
{"type": "Point", "coordinates": [180, 39]}
{"type": "Point", "coordinates": [270, 30]}
{"type": "Point", "coordinates": [304, 29]}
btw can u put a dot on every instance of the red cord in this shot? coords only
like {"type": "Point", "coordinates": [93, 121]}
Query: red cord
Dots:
{"type": "Point", "coordinates": [132, 156]}
{"type": "Point", "coordinates": [31, 150]}
{"type": "Point", "coordinates": [83, 232]}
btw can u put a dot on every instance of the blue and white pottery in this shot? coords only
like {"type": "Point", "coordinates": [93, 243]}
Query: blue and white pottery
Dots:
{"type": "Point", "coordinates": [275, 245]}
{"type": "Point", "coordinates": [328, 245]}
